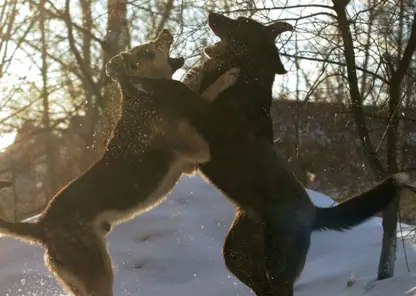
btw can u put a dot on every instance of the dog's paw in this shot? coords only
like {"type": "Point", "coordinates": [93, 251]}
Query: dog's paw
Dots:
{"type": "Point", "coordinates": [226, 80]}
{"type": "Point", "coordinates": [141, 88]}
{"type": "Point", "coordinates": [190, 169]}
{"type": "Point", "coordinates": [193, 78]}
{"type": "Point", "coordinates": [401, 178]}
{"type": "Point", "coordinates": [233, 74]}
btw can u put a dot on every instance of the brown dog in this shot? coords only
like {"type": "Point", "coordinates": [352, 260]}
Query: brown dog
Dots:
{"type": "Point", "coordinates": [153, 142]}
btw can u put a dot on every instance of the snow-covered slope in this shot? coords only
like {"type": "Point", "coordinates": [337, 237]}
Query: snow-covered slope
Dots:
{"type": "Point", "coordinates": [175, 250]}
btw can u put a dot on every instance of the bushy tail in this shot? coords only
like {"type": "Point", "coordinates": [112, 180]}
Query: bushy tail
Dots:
{"type": "Point", "coordinates": [360, 208]}
{"type": "Point", "coordinates": [29, 232]}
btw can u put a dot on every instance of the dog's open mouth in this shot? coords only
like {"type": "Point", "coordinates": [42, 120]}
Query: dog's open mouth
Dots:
{"type": "Point", "coordinates": [150, 60]}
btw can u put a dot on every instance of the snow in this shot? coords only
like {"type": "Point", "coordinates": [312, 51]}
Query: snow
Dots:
{"type": "Point", "coordinates": [175, 249]}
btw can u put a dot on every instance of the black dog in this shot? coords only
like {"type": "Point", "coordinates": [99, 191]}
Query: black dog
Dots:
{"type": "Point", "coordinates": [267, 244]}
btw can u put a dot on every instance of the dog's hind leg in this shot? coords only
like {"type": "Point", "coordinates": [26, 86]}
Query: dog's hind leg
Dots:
{"type": "Point", "coordinates": [243, 252]}
{"type": "Point", "coordinates": [81, 263]}
{"type": "Point", "coordinates": [287, 241]}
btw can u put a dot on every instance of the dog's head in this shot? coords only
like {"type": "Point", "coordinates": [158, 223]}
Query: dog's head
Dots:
{"type": "Point", "coordinates": [154, 113]}
{"type": "Point", "coordinates": [245, 40]}
{"type": "Point", "coordinates": [149, 60]}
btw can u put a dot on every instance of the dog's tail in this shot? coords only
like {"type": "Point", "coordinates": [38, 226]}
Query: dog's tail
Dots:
{"type": "Point", "coordinates": [30, 232]}
{"type": "Point", "coordinates": [26, 231]}
{"type": "Point", "coordinates": [360, 208]}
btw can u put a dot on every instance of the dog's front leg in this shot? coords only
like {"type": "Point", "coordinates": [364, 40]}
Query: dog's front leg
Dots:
{"type": "Point", "coordinates": [226, 80]}
{"type": "Point", "coordinates": [243, 252]}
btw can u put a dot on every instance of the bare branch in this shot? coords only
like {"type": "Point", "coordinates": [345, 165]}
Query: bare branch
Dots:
{"type": "Point", "coordinates": [356, 98]}
{"type": "Point", "coordinates": [77, 55]}
{"type": "Point", "coordinates": [335, 63]}
{"type": "Point", "coordinates": [407, 55]}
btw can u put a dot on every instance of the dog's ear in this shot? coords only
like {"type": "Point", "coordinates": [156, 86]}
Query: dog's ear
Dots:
{"type": "Point", "coordinates": [220, 24]}
{"type": "Point", "coordinates": [275, 30]}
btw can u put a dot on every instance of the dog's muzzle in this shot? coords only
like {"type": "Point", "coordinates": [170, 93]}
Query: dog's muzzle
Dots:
{"type": "Point", "coordinates": [165, 37]}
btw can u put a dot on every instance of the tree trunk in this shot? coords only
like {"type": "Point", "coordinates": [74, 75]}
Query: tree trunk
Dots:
{"type": "Point", "coordinates": [90, 150]}
{"type": "Point", "coordinates": [356, 98]}
{"type": "Point", "coordinates": [388, 249]}
{"type": "Point", "coordinates": [388, 254]}
{"type": "Point", "coordinates": [116, 40]}
{"type": "Point", "coordinates": [49, 145]}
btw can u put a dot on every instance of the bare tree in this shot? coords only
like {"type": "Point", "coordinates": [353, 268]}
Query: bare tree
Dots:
{"type": "Point", "coordinates": [355, 59]}
{"type": "Point", "coordinates": [49, 148]}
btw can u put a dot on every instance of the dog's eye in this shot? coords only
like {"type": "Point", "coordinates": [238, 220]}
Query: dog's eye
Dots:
{"type": "Point", "coordinates": [148, 55]}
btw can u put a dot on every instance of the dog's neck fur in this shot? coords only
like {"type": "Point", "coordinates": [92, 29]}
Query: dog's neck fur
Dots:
{"type": "Point", "coordinates": [252, 91]}
{"type": "Point", "coordinates": [259, 76]}
{"type": "Point", "coordinates": [135, 115]}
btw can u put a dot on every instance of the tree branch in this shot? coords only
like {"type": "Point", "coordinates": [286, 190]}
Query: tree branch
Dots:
{"type": "Point", "coordinates": [335, 63]}
{"type": "Point", "coordinates": [77, 55]}
{"type": "Point", "coordinates": [407, 55]}
{"type": "Point", "coordinates": [166, 14]}
{"type": "Point", "coordinates": [61, 16]}
{"type": "Point", "coordinates": [355, 95]}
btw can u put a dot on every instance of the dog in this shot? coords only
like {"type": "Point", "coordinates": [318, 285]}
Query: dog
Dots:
{"type": "Point", "coordinates": [267, 244]}
{"type": "Point", "coordinates": [152, 143]}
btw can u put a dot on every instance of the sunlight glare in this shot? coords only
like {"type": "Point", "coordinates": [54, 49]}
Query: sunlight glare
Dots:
{"type": "Point", "coordinates": [6, 140]}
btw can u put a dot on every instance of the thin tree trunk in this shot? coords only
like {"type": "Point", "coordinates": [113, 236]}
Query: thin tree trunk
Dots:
{"type": "Point", "coordinates": [85, 67]}
{"type": "Point", "coordinates": [388, 253]}
{"type": "Point", "coordinates": [387, 257]}
{"type": "Point", "coordinates": [116, 40]}
{"type": "Point", "coordinates": [86, 52]}
{"type": "Point", "coordinates": [356, 99]}
{"type": "Point", "coordinates": [298, 161]}
{"type": "Point", "coordinates": [366, 48]}
{"type": "Point", "coordinates": [50, 153]}
{"type": "Point", "coordinates": [91, 110]}
{"type": "Point", "coordinates": [14, 191]}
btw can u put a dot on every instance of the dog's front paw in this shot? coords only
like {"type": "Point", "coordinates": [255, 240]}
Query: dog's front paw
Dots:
{"type": "Point", "coordinates": [226, 80]}
{"type": "Point", "coordinates": [232, 75]}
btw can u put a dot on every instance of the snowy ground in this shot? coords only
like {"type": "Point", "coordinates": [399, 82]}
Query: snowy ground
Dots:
{"type": "Point", "coordinates": [175, 250]}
